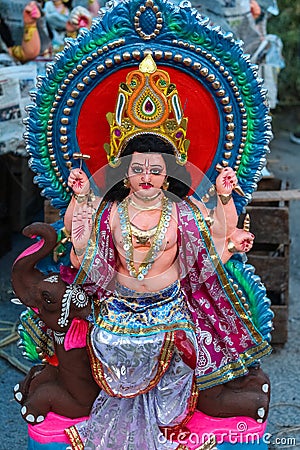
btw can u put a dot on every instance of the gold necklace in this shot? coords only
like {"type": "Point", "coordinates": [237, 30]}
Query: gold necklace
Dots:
{"type": "Point", "coordinates": [144, 207]}
{"type": "Point", "coordinates": [142, 236]}
{"type": "Point", "coordinates": [145, 198]}
{"type": "Point", "coordinates": [156, 245]}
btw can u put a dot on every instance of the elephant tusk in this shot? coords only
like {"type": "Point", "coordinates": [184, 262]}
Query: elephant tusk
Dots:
{"type": "Point", "coordinates": [16, 301]}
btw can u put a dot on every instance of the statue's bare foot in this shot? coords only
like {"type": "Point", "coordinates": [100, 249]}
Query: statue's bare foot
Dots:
{"type": "Point", "coordinates": [21, 389]}
{"type": "Point", "coordinates": [32, 416]}
{"type": "Point", "coordinates": [245, 396]}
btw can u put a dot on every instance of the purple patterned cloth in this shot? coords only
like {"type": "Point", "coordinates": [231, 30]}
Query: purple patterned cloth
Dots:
{"type": "Point", "coordinates": [228, 342]}
{"type": "Point", "coordinates": [137, 398]}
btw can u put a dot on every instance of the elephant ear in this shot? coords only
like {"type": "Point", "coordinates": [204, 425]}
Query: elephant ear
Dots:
{"type": "Point", "coordinates": [35, 340]}
{"type": "Point", "coordinates": [221, 95]}
{"type": "Point", "coordinates": [61, 252]}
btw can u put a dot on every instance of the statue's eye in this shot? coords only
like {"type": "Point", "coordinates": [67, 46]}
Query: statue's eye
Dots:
{"type": "Point", "coordinates": [137, 169]}
{"type": "Point", "coordinates": [156, 171]}
{"type": "Point", "coordinates": [47, 297]}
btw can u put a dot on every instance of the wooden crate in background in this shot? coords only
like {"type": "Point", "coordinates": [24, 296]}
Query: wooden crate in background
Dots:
{"type": "Point", "coordinates": [271, 251]}
{"type": "Point", "coordinates": [51, 214]}
{"type": "Point", "coordinates": [5, 228]}
{"type": "Point", "coordinates": [22, 196]}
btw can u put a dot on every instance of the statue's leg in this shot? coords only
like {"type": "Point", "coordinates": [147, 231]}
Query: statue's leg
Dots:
{"type": "Point", "coordinates": [22, 389]}
{"type": "Point", "coordinates": [245, 396]}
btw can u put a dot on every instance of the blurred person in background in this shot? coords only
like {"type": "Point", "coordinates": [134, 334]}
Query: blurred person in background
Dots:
{"type": "Point", "coordinates": [247, 20]}
{"type": "Point", "coordinates": [30, 47]}
{"type": "Point", "coordinates": [63, 21]}
{"type": "Point", "coordinates": [92, 5]}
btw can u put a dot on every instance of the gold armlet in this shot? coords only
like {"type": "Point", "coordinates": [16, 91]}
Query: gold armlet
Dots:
{"type": "Point", "coordinates": [79, 251]}
{"type": "Point", "coordinates": [225, 198]}
{"type": "Point", "coordinates": [29, 29]}
{"type": "Point", "coordinates": [80, 198]}
{"type": "Point", "coordinates": [72, 34]}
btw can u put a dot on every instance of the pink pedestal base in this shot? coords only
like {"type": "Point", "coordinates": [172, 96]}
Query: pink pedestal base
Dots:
{"type": "Point", "coordinates": [52, 429]}
{"type": "Point", "coordinates": [233, 430]}
{"type": "Point", "coordinates": [238, 431]}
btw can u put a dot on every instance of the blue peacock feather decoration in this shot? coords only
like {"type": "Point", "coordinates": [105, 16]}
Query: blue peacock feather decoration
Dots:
{"type": "Point", "coordinates": [250, 287]}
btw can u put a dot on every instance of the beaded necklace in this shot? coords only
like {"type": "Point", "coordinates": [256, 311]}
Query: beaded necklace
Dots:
{"type": "Point", "coordinates": [158, 238]}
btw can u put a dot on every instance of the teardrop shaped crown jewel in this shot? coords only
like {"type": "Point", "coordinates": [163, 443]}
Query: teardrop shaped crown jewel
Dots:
{"type": "Point", "coordinates": [147, 103]}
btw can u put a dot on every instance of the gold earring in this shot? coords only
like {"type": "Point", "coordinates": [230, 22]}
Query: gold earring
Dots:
{"type": "Point", "coordinates": [165, 185]}
{"type": "Point", "coordinates": [126, 183]}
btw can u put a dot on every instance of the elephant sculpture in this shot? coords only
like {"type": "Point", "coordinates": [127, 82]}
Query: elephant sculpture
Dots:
{"type": "Point", "coordinates": [68, 388]}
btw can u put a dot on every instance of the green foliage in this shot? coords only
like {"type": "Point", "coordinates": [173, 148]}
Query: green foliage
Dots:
{"type": "Point", "coordinates": [287, 26]}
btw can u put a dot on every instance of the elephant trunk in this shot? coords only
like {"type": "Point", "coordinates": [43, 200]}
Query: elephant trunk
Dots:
{"type": "Point", "coordinates": [24, 274]}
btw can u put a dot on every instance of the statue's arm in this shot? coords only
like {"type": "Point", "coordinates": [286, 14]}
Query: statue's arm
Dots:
{"type": "Point", "coordinates": [55, 18]}
{"type": "Point", "coordinates": [31, 43]}
{"type": "Point", "coordinates": [225, 214]}
{"type": "Point", "coordinates": [223, 220]}
{"type": "Point", "coordinates": [78, 219]}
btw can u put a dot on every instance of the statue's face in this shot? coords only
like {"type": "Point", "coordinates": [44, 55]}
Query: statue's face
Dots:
{"type": "Point", "coordinates": [146, 173]}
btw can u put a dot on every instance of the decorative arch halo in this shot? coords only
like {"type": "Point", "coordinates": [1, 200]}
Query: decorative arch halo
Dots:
{"type": "Point", "coordinates": [218, 86]}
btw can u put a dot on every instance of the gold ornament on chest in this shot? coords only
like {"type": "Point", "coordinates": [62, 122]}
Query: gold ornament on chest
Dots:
{"type": "Point", "coordinates": [142, 236]}
{"type": "Point", "coordinates": [158, 233]}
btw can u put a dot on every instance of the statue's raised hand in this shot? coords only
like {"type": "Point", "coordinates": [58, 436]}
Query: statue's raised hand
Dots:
{"type": "Point", "coordinates": [31, 13]}
{"type": "Point", "coordinates": [226, 181]}
{"type": "Point", "coordinates": [80, 17]}
{"type": "Point", "coordinates": [240, 241]}
{"type": "Point", "coordinates": [78, 181]}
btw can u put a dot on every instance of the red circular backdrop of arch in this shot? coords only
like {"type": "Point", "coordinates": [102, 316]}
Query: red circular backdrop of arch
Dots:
{"type": "Point", "coordinates": [198, 104]}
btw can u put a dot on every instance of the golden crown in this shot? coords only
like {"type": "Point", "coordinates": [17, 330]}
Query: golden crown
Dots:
{"type": "Point", "coordinates": [147, 103]}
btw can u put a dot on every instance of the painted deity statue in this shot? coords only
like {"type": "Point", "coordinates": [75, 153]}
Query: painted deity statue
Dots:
{"type": "Point", "coordinates": [164, 325]}
{"type": "Point", "coordinates": [152, 298]}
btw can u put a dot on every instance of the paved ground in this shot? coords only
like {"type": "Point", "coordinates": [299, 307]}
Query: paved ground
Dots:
{"type": "Point", "coordinates": [283, 366]}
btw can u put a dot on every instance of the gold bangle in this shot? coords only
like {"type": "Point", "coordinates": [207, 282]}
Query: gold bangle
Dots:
{"type": "Point", "coordinates": [90, 197]}
{"type": "Point", "coordinates": [18, 53]}
{"type": "Point", "coordinates": [79, 251]}
{"type": "Point", "coordinates": [231, 247]}
{"type": "Point", "coordinates": [30, 26]}
{"type": "Point", "coordinates": [80, 198]}
{"type": "Point", "coordinates": [225, 198]}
